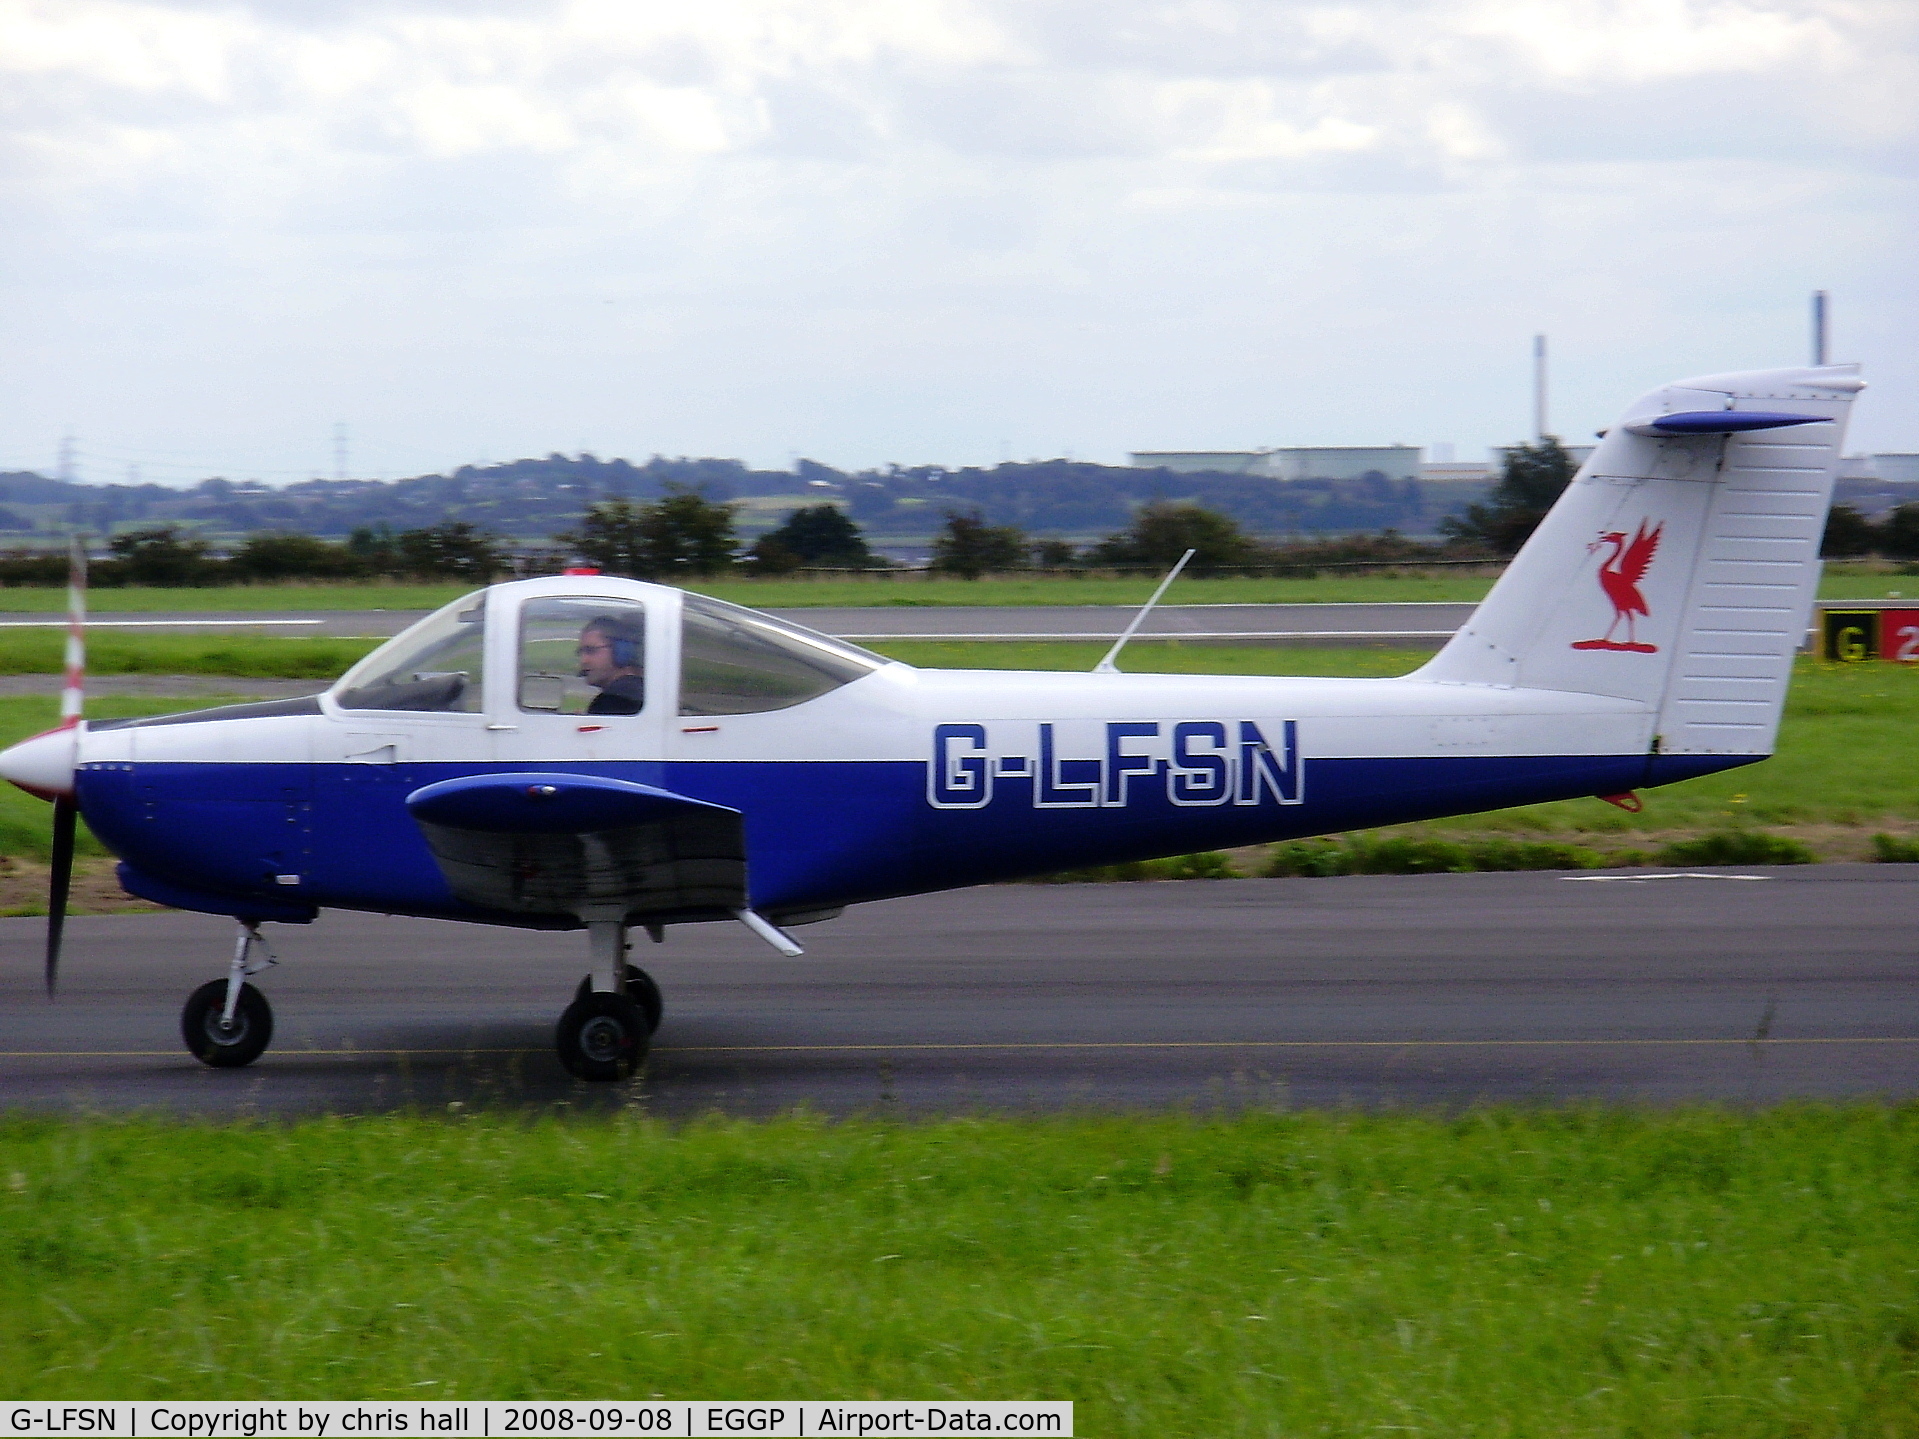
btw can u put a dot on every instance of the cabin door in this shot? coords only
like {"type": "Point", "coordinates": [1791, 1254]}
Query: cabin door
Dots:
{"type": "Point", "coordinates": [586, 686]}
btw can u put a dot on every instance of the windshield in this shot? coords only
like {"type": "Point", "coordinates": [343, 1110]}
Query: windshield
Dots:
{"type": "Point", "coordinates": [438, 665]}
{"type": "Point", "coordinates": [735, 661]}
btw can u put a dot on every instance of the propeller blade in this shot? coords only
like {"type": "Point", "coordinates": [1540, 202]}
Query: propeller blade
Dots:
{"type": "Point", "coordinates": [65, 812]}
{"type": "Point", "coordinates": [66, 808]}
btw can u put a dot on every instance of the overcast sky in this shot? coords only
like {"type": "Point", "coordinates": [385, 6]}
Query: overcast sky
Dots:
{"type": "Point", "coordinates": [921, 231]}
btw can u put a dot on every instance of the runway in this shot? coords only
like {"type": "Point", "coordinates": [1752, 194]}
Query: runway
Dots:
{"type": "Point", "coordinates": [1739, 986]}
{"type": "Point", "coordinates": [1412, 624]}
{"type": "Point", "coordinates": [1416, 625]}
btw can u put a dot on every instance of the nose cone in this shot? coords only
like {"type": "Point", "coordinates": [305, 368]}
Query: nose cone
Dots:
{"type": "Point", "coordinates": [44, 764]}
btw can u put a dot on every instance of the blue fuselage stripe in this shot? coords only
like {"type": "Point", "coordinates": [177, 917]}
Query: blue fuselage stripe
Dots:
{"type": "Point", "coordinates": [818, 833]}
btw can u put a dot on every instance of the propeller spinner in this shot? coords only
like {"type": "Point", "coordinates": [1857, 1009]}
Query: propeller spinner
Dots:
{"type": "Point", "coordinates": [44, 765]}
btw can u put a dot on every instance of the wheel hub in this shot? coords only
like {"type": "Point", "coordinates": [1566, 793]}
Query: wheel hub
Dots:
{"type": "Point", "coordinates": [226, 1031]}
{"type": "Point", "coordinates": [603, 1038]}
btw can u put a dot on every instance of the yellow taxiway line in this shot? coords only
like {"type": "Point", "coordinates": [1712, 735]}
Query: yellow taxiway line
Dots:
{"type": "Point", "coordinates": [1009, 1046]}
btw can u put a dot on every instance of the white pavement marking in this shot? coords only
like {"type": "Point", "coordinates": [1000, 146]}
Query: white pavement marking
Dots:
{"type": "Point", "coordinates": [1645, 878]}
{"type": "Point", "coordinates": [1159, 635]}
{"type": "Point", "coordinates": [97, 624]}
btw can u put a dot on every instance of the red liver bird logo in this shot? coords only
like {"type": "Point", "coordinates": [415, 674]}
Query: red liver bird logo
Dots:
{"type": "Point", "coordinates": [1619, 576]}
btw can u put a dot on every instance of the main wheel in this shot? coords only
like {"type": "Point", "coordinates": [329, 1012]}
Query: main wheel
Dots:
{"type": "Point", "coordinates": [602, 1036]}
{"type": "Point", "coordinates": [640, 988]}
{"type": "Point", "coordinates": [223, 1045]}
{"type": "Point", "coordinates": [643, 991]}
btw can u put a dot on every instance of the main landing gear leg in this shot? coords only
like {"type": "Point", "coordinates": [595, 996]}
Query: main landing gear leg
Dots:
{"type": "Point", "coordinates": [605, 1030]}
{"type": "Point", "coordinates": [227, 1023]}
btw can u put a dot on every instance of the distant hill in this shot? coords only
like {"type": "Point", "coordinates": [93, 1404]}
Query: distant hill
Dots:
{"type": "Point", "coordinates": [531, 499]}
{"type": "Point", "coordinates": [1070, 498]}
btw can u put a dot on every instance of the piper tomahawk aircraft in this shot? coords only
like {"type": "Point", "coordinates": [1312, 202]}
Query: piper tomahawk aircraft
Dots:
{"type": "Point", "coordinates": [594, 753]}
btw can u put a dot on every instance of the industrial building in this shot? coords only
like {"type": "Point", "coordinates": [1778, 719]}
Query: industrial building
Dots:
{"type": "Point", "coordinates": [1317, 462]}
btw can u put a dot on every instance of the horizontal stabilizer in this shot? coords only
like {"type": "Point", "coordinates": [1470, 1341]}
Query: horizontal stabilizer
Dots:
{"type": "Point", "coordinates": [541, 803]}
{"type": "Point", "coordinates": [1719, 422]}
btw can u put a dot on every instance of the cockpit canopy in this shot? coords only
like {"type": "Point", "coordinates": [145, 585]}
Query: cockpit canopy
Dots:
{"type": "Point", "coordinates": [586, 653]}
{"type": "Point", "coordinates": [736, 661]}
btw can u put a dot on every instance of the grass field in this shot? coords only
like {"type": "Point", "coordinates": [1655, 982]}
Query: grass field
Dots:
{"type": "Point", "coordinates": [123, 652]}
{"type": "Point", "coordinates": [1465, 585]}
{"type": "Point", "coordinates": [1503, 1273]}
{"type": "Point", "coordinates": [136, 600]}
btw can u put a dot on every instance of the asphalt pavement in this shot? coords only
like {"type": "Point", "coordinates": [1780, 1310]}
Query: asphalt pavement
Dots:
{"type": "Point", "coordinates": [1740, 986]}
{"type": "Point", "coordinates": [1417, 623]}
{"type": "Point", "coordinates": [1426, 625]}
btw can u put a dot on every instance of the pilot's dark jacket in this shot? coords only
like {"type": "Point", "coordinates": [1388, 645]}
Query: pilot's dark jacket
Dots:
{"type": "Point", "coordinates": [622, 697]}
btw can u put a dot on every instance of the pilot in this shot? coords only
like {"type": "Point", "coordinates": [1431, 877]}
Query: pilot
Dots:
{"type": "Point", "coordinates": [609, 652]}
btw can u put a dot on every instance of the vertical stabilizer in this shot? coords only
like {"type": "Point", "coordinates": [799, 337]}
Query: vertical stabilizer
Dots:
{"type": "Point", "coordinates": [1680, 566]}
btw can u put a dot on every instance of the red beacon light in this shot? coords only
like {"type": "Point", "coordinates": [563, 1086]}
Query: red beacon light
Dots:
{"type": "Point", "coordinates": [581, 570]}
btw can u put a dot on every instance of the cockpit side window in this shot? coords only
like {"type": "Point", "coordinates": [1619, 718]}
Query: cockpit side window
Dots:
{"type": "Point", "coordinates": [437, 666]}
{"type": "Point", "coordinates": [738, 661]}
{"type": "Point", "coordinates": [582, 654]}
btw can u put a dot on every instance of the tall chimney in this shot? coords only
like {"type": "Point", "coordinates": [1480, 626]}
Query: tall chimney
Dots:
{"type": "Point", "coordinates": [1539, 387]}
{"type": "Point", "coordinates": [1820, 319]}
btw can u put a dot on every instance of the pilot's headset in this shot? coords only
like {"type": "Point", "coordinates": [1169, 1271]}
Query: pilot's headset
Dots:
{"type": "Point", "coordinates": [623, 639]}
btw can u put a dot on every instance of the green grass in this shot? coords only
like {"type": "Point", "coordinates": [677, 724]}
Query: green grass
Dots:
{"type": "Point", "coordinates": [265, 598]}
{"type": "Point", "coordinates": [119, 652]}
{"type": "Point", "coordinates": [1412, 854]}
{"type": "Point", "coordinates": [1577, 1272]}
{"type": "Point", "coordinates": [909, 590]}
{"type": "Point", "coordinates": [1153, 656]}
{"type": "Point", "coordinates": [1890, 849]}
{"type": "Point", "coordinates": [1097, 590]}
{"type": "Point", "coordinates": [1840, 583]}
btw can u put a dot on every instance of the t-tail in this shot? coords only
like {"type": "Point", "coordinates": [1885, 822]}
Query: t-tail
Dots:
{"type": "Point", "coordinates": [1680, 566]}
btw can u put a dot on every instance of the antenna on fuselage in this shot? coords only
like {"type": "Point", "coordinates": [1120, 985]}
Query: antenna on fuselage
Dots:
{"type": "Point", "coordinates": [1106, 666]}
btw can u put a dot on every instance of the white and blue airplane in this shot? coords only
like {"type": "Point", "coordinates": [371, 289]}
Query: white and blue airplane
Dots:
{"type": "Point", "coordinates": [594, 753]}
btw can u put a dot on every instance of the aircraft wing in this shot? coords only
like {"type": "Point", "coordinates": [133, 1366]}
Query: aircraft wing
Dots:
{"type": "Point", "coordinates": [554, 843]}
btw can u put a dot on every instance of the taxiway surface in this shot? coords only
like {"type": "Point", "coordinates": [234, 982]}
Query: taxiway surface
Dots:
{"type": "Point", "coordinates": [1417, 623]}
{"type": "Point", "coordinates": [1378, 990]}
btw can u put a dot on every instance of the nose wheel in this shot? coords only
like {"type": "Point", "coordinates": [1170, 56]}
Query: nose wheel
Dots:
{"type": "Point", "coordinates": [227, 1023]}
{"type": "Point", "coordinates": [219, 1040]}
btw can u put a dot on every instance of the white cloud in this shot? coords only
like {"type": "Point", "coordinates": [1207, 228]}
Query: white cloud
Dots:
{"type": "Point", "coordinates": [910, 229]}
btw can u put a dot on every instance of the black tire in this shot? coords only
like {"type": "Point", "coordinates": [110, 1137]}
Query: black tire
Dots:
{"type": "Point", "coordinates": [643, 991]}
{"type": "Point", "coordinates": [640, 988]}
{"type": "Point", "coordinates": [602, 1036]}
{"type": "Point", "coordinates": [216, 1044]}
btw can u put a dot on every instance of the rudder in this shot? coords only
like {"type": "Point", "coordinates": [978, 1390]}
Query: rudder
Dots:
{"type": "Point", "coordinates": [1680, 566]}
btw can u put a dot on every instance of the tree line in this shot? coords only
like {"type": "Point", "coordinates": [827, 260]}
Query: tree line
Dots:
{"type": "Point", "coordinates": [538, 496]}
{"type": "Point", "coordinates": [167, 557]}
{"type": "Point", "coordinates": [688, 534]}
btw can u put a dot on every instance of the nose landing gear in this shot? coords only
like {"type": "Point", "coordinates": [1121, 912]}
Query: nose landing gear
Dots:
{"type": "Point", "coordinates": [227, 1023]}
